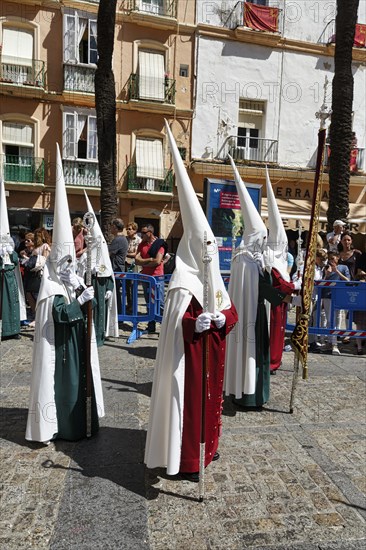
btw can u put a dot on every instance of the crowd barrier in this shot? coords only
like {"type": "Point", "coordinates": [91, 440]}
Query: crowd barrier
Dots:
{"type": "Point", "coordinates": [348, 296]}
{"type": "Point", "coordinates": [155, 287]}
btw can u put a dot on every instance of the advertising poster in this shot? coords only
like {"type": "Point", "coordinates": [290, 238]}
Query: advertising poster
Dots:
{"type": "Point", "coordinates": [223, 212]}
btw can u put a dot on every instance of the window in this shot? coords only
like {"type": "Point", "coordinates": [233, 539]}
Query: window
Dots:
{"type": "Point", "coordinates": [251, 114]}
{"type": "Point", "coordinates": [152, 6]}
{"type": "Point", "coordinates": [259, 2]}
{"type": "Point", "coordinates": [149, 161]}
{"type": "Point", "coordinates": [80, 39]}
{"type": "Point", "coordinates": [183, 70]}
{"type": "Point", "coordinates": [151, 71]}
{"type": "Point", "coordinates": [80, 136]}
{"type": "Point", "coordinates": [17, 54]}
{"type": "Point", "coordinates": [18, 150]}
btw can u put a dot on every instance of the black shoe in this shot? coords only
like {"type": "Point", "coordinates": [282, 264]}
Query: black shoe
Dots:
{"type": "Point", "coordinates": [247, 407]}
{"type": "Point", "coordinates": [190, 476]}
{"type": "Point", "coordinates": [272, 372]}
{"type": "Point", "coordinates": [216, 456]}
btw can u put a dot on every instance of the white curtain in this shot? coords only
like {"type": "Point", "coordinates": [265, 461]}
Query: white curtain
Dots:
{"type": "Point", "coordinates": [70, 136]}
{"type": "Point", "coordinates": [93, 51]}
{"type": "Point", "coordinates": [70, 38]}
{"type": "Point", "coordinates": [92, 137]}
{"type": "Point", "coordinates": [149, 158]}
{"type": "Point", "coordinates": [151, 76]}
{"type": "Point", "coordinates": [80, 126]}
{"type": "Point", "coordinates": [82, 23]}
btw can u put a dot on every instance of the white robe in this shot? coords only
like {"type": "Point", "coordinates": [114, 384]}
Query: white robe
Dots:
{"type": "Point", "coordinates": [164, 435]}
{"type": "Point", "coordinates": [240, 362]}
{"type": "Point", "coordinates": [42, 419]}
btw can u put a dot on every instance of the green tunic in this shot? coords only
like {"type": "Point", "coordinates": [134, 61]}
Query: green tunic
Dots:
{"type": "Point", "coordinates": [70, 376]}
{"type": "Point", "coordinates": [9, 296]}
{"type": "Point", "coordinates": [101, 285]}
{"type": "Point", "coordinates": [275, 297]}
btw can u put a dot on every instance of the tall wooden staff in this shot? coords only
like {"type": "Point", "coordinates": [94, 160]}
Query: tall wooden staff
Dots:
{"type": "Point", "coordinates": [299, 337]}
{"type": "Point", "coordinates": [206, 259]}
{"type": "Point", "coordinates": [88, 222]}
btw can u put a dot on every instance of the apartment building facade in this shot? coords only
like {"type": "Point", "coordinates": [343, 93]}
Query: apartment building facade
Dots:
{"type": "Point", "coordinates": [259, 101]}
{"type": "Point", "coordinates": [48, 61]}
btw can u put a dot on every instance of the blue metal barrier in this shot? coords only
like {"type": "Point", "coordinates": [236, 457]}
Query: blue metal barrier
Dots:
{"type": "Point", "coordinates": [346, 295]}
{"type": "Point", "coordinates": [155, 287]}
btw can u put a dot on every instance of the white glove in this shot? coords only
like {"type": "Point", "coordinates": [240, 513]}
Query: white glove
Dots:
{"type": "Point", "coordinates": [87, 295]}
{"type": "Point", "coordinates": [203, 322]}
{"type": "Point", "coordinates": [296, 301]}
{"type": "Point", "coordinates": [9, 248]}
{"type": "Point", "coordinates": [70, 278]}
{"type": "Point", "coordinates": [219, 319]}
{"type": "Point", "coordinates": [297, 284]}
{"type": "Point", "coordinates": [108, 294]}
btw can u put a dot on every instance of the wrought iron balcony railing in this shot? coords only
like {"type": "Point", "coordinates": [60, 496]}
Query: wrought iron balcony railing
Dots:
{"type": "Point", "coordinates": [153, 90]}
{"type": "Point", "coordinates": [22, 169]}
{"type": "Point", "coordinates": [83, 173]}
{"type": "Point", "coordinates": [138, 183]}
{"type": "Point", "coordinates": [21, 72]}
{"type": "Point", "coordinates": [166, 8]}
{"type": "Point", "coordinates": [357, 160]}
{"type": "Point", "coordinates": [250, 149]}
{"type": "Point", "coordinates": [79, 78]}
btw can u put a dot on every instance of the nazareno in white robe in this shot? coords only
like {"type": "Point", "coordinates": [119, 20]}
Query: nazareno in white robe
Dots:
{"type": "Point", "coordinates": [42, 418]}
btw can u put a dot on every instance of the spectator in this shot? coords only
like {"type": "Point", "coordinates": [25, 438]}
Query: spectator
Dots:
{"type": "Point", "coordinates": [78, 232]}
{"type": "Point", "coordinates": [36, 262]}
{"type": "Point", "coordinates": [348, 255]}
{"type": "Point", "coordinates": [150, 254]}
{"type": "Point", "coordinates": [361, 265]}
{"type": "Point", "coordinates": [333, 272]}
{"type": "Point", "coordinates": [117, 253]}
{"type": "Point", "coordinates": [334, 237]}
{"type": "Point", "coordinates": [130, 266]}
{"type": "Point", "coordinates": [31, 280]}
{"type": "Point", "coordinates": [321, 258]}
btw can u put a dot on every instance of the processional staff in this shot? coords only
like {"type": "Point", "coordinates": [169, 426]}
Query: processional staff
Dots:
{"type": "Point", "coordinates": [206, 259]}
{"type": "Point", "coordinates": [88, 223]}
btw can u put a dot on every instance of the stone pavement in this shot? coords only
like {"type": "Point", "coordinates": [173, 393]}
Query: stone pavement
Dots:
{"type": "Point", "coordinates": [283, 481]}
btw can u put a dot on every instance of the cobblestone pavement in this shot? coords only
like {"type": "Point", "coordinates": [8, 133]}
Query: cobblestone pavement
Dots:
{"type": "Point", "coordinates": [283, 481]}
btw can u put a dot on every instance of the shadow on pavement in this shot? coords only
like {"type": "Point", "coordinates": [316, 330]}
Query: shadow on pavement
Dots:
{"type": "Point", "coordinates": [148, 352]}
{"type": "Point", "coordinates": [144, 389]}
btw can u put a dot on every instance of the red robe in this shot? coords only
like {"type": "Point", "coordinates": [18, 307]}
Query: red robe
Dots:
{"type": "Point", "coordinates": [278, 320]}
{"type": "Point", "coordinates": [193, 349]}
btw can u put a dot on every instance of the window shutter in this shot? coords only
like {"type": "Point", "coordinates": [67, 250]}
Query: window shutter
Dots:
{"type": "Point", "coordinates": [17, 46]}
{"type": "Point", "coordinates": [69, 145]}
{"type": "Point", "coordinates": [93, 51]}
{"type": "Point", "coordinates": [92, 137]}
{"type": "Point", "coordinates": [151, 76]}
{"type": "Point", "coordinates": [18, 133]}
{"type": "Point", "coordinates": [149, 158]}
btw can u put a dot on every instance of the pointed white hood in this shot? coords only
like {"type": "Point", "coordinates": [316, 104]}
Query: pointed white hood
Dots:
{"type": "Point", "coordinates": [188, 272]}
{"type": "Point", "coordinates": [4, 220]}
{"type": "Point", "coordinates": [255, 232]}
{"type": "Point", "coordinates": [63, 248]}
{"type": "Point", "coordinates": [100, 254]}
{"type": "Point", "coordinates": [277, 244]}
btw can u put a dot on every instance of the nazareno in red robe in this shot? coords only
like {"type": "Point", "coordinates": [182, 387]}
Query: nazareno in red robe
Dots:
{"type": "Point", "coordinates": [193, 349]}
{"type": "Point", "coordinates": [278, 320]}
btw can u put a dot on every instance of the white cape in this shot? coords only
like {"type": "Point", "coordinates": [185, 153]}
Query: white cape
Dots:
{"type": "Point", "coordinates": [42, 418]}
{"type": "Point", "coordinates": [240, 362]}
{"type": "Point", "coordinates": [164, 435]}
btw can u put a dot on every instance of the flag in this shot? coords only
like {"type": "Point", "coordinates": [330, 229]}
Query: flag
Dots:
{"type": "Point", "coordinates": [261, 18]}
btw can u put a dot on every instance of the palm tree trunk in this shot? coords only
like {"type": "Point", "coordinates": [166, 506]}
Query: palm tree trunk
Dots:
{"type": "Point", "coordinates": [342, 100]}
{"type": "Point", "coordinates": [105, 102]}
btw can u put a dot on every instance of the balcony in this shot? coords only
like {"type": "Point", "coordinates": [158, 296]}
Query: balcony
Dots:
{"type": "Point", "coordinates": [256, 17]}
{"type": "Point", "coordinates": [21, 169]}
{"type": "Point", "coordinates": [328, 35]}
{"type": "Point", "coordinates": [249, 149]}
{"type": "Point", "coordinates": [136, 183]}
{"type": "Point", "coordinates": [81, 173]}
{"type": "Point", "coordinates": [79, 78]}
{"type": "Point", "coordinates": [158, 91]}
{"type": "Point", "coordinates": [21, 72]}
{"type": "Point", "coordinates": [165, 8]}
{"type": "Point", "coordinates": [357, 161]}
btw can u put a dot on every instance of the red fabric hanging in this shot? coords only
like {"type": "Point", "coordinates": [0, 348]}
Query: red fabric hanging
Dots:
{"type": "Point", "coordinates": [262, 18]}
{"type": "Point", "coordinates": [360, 36]}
